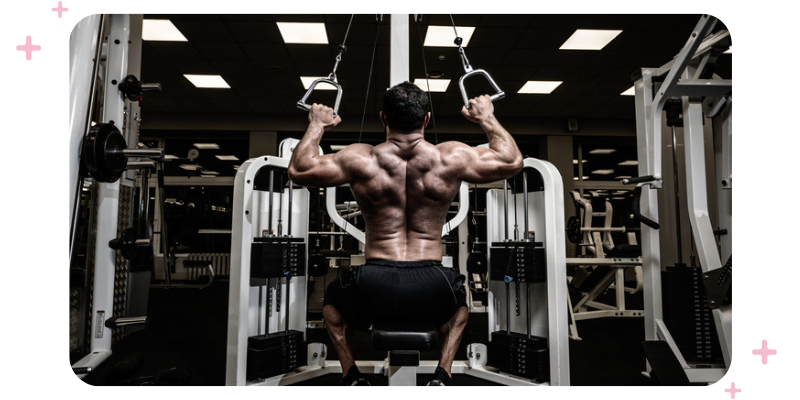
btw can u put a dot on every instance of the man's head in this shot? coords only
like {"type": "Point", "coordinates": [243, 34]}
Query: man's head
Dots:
{"type": "Point", "coordinates": [405, 108]}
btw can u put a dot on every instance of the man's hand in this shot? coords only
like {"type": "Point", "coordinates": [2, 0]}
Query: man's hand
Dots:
{"type": "Point", "coordinates": [322, 117]}
{"type": "Point", "coordinates": [480, 109]}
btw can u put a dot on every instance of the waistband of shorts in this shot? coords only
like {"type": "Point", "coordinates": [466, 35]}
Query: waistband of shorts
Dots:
{"type": "Point", "coordinates": [403, 264]}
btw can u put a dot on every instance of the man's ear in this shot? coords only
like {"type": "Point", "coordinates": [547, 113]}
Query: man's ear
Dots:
{"type": "Point", "coordinates": [427, 119]}
{"type": "Point", "coordinates": [383, 118]}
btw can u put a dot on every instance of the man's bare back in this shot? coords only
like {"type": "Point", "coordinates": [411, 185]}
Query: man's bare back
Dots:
{"type": "Point", "coordinates": [405, 185]}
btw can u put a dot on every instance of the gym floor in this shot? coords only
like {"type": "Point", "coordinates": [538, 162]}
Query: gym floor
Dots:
{"type": "Point", "coordinates": [185, 340]}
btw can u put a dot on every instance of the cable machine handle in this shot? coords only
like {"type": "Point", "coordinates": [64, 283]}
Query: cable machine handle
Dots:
{"type": "Point", "coordinates": [497, 96]}
{"type": "Point", "coordinates": [330, 81]}
{"type": "Point", "coordinates": [637, 196]}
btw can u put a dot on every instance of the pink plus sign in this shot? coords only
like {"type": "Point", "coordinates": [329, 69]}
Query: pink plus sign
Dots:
{"type": "Point", "coordinates": [28, 48]}
{"type": "Point", "coordinates": [733, 390]}
{"type": "Point", "coordinates": [60, 9]}
{"type": "Point", "coordinates": [764, 352]}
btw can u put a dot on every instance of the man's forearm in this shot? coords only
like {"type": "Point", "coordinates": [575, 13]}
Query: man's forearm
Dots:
{"type": "Point", "coordinates": [305, 151]}
{"type": "Point", "coordinates": [499, 139]}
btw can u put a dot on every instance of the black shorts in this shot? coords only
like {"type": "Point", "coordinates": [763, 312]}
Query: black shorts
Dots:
{"type": "Point", "coordinates": [411, 290]}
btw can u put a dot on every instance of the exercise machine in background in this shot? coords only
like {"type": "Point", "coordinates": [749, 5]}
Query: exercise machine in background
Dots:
{"type": "Point", "coordinates": [690, 79]}
{"type": "Point", "coordinates": [105, 261]}
{"type": "Point", "coordinates": [601, 265]}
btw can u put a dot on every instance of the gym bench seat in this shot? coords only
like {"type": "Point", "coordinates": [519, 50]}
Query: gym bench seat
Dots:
{"type": "Point", "coordinates": [403, 339]}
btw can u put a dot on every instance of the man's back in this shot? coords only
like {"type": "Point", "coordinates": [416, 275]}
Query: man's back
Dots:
{"type": "Point", "coordinates": [404, 190]}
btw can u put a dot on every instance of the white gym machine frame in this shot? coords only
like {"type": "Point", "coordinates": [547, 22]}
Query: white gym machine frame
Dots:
{"type": "Point", "coordinates": [85, 59]}
{"type": "Point", "coordinates": [681, 80]}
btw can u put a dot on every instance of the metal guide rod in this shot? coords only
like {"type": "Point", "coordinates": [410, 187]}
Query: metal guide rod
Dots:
{"type": "Point", "coordinates": [516, 224]}
{"type": "Point", "coordinates": [508, 309]}
{"type": "Point", "coordinates": [505, 199]}
{"type": "Point", "coordinates": [525, 200]}
{"type": "Point", "coordinates": [163, 221]}
{"type": "Point", "coordinates": [288, 300]}
{"type": "Point", "coordinates": [269, 214]}
{"type": "Point", "coordinates": [528, 306]}
{"type": "Point", "coordinates": [289, 224]}
{"type": "Point", "coordinates": [144, 203]}
{"type": "Point", "coordinates": [280, 207]}
{"type": "Point", "coordinates": [676, 189]}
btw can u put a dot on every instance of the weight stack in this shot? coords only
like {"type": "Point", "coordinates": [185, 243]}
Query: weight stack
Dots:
{"type": "Point", "coordinates": [522, 261]}
{"type": "Point", "coordinates": [688, 316]}
{"type": "Point", "coordinates": [520, 355]}
{"type": "Point", "coordinates": [269, 255]}
{"type": "Point", "coordinates": [275, 354]}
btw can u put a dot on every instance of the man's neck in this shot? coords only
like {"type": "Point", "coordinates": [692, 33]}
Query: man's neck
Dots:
{"type": "Point", "coordinates": [405, 141]}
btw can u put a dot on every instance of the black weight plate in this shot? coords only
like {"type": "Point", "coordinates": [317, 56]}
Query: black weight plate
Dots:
{"type": "Point", "coordinates": [574, 229]}
{"type": "Point", "coordinates": [98, 158]}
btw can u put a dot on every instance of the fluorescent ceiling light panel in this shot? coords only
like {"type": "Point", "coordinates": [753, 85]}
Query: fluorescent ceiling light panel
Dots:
{"type": "Point", "coordinates": [190, 167]}
{"type": "Point", "coordinates": [337, 147]}
{"type": "Point", "coordinates": [161, 30]}
{"type": "Point", "coordinates": [236, 167]}
{"type": "Point", "coordinates": [575, 162]}
{"type": "Point", "coordinates": [206, 146]}
{"type": "Point", "coordinates": [629, 162]}
{"type": "Point", "coordinates": [602, 151]}
{"type": "Point", "coordinates": [228, 158]}
{"type": "Point", "coordinates": [436, 85]}
{"type": "Point", "coordinates": [208, 81]}
{"type": "Point", "coordinates": [212, 173]}
{"type": "Point", "coordinates": [539, 87]}
{"type": "Point", "coordinates": [603, 171]}
{"type": "Point", "coordinates": [589, 39]}
{"type": "Point", "coordinates": [170, 157]}
{"type": "Point", "coordinates": [623, 177]}
{"type": "Point", "coordinates": [628, 92]}
{"type": "Point", "coordinates": [308, 80]}
{"type": "Point", "coordinates": [303, 32]}
{"type": "Point", "coordinates": [584, 178]}
{"type": "Point", "coordinates": [443, 36]}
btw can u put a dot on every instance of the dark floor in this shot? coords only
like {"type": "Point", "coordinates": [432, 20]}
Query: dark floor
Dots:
{"type": "Point", "coordinates": [185, 343]}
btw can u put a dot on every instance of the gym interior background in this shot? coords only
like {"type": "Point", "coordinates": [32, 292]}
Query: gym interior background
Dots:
{"type": "Point", "coordinates": [584, 122]}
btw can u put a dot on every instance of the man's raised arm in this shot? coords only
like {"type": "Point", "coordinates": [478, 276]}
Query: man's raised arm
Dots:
{"type": "Point", "coordinates": [307, 167]}
{"type": "Point", "coordinates": [481, 165]}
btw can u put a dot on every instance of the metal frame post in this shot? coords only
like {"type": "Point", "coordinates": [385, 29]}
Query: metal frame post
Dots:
{"type": "Point", "coordinates": [398, 49]}
{"type": "Point", "coordinates": [651, 250]}
{"type": "Point", "coordinates": [108, 200]}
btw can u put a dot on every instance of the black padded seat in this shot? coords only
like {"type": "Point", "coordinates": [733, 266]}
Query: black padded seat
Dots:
{"type": "Point", "coordinates": [390, 335]}
{"type": "Point", "coordinates": [625, 250]}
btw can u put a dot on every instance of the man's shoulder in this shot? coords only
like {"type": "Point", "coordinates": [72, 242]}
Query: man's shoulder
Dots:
{"type": "Point", "coordinates": [357, 149]}
{"type": "Point", "coordinates": [452, 148]}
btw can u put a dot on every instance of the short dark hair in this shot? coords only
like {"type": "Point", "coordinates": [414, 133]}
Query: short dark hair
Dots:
{"type": "Point", "coordinates": [405, 106]}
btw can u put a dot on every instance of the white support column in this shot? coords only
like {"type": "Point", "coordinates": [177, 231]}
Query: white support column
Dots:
{"type": "Point", "coordinates": [651, 251]}
{"type": "Point", "coordinates": [108, 200]}
{"type": "Point", "coordinates": [398, 49]}
{"type": "Point", "coordinates": [81, 61]}
{"type": "Point", "coordinates": [697, 202]}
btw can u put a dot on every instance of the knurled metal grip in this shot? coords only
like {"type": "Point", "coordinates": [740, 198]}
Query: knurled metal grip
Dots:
{"type": "Point", "coordinates": [497, 96]}
{"type": "Point", "coordinates": [307, 107]}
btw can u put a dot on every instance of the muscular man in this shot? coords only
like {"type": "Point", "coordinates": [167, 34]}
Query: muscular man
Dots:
{"type": "Point", "coordinates": [404, 188]}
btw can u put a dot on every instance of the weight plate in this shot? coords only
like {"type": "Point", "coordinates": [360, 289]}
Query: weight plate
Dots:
{"type": "Point", "coordinates": [99, 155]}
{"type": "Point", "coordinates": [574, 229]}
